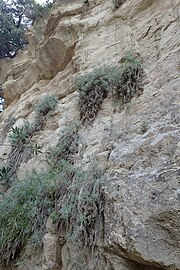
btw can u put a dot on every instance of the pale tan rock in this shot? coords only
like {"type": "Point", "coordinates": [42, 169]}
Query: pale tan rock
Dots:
{"type": "Point", "coordinates": [142, 220]}
{"type": "Point", "coordinates": [50, 252]}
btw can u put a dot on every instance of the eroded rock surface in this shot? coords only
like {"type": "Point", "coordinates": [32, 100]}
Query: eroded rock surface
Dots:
{"type": "Point", "coordinates": [138, 146]}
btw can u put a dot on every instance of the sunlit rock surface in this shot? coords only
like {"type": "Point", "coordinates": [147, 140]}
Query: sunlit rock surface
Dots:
{"type": "Point", "coordinates": [142, 221]}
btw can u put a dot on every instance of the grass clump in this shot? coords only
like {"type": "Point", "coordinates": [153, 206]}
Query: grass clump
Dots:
{"type": "Point", "coordinates": [72, 197]}
{"type": "Point", "coordinates": [66, 147]}
{"type": "Point", "coordinates": [144, 126]}
{"type": "Point", "coordinates": [23, 214]}
{"type": "Point", "coordinates": [5, 176]}
{"type": "Point", "coordinates": [21, 150]}
{"type": "Point", "coordinates": [46, 104]}
{"type": "Point", "coordinates": [93, 89]}
{"type": "Point", "coordinates": [20, 137]}
{"type": "Point", "coordinates": [124, 82]}
{"type": "Point", "coordinates": [43, 109]}
{"type": "Point", "coordinates": [82, 206]}
{"type": "Point", "coordinates": [8, 123]}
{"type": "Point", "coordinates": [131, 78]}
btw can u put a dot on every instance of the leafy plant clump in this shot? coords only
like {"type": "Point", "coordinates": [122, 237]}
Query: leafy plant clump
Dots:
{"type": "Point", "coordinates": [8, 123]}
{"type": "Point", "coordinates": [81, 207]}
{"type": "Point", "coordinates": [71, 195]}
{"type": "Point", "coordinates": [5, 176]}
{"type": "Point", "coordinates": [21, 137]}
{"type": "Point", "coordinates": [93, 89]}
{"type": "Point", "coordinates": [131, 78]}
{"type": "Point", "coordinates": [46, 104]}
{"type": "Point", "coordinates": [23, 214]}
{"type": "Point", "coordinates": [43, 109]}
{"type": "Point", "coordinates": [124, 82]}
{"type": "Point", "coordinates": [73, 198]}
{"type": "Point", "coordinates": [66, 147]}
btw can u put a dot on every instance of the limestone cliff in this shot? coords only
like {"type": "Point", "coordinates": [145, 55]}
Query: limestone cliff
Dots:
{"type": "Point", "coordinates": [138, 146]}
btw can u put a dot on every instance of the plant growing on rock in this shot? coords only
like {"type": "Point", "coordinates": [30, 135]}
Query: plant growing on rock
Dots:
{"type": "Point", "coordinates": [23, 214]}
{"type": "Point", "coordinates": [124, 82]}
{"type": "Point", "coordinates": [144, 126]}
{"type": "Point", "coordinates": [80, 196]}
{"type": "Point", "coordinates": [72, 196]}
{"type": "Point", "coordinates": [20, 135]}
{"type": "Point", "coordinates": [43, 109]}
{"type": "Point", "coordinates": [46, 104]}
{"type": "Point", "coordinates": [131, 78]}
{"type": "Point", "coordinates": [20, 139]}
{"type": "Point", "coordinates": [8, 123]}
{"type": "Point", "coordinates": [66, 147]}
{"type": "Point", "coordinates": [5, 176]}
{"type": "Point", "coordinates": [93, 89]}
{"type": "Point", "coordinates": [36, 148]}
{"type": "Point", "coordinates": [81, 207]}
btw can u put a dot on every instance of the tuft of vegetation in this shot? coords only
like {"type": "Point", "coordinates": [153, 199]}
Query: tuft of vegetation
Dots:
{"type": "Point", "coordinates": [36, 148]}
{"type": "Point", "coordinates": [8, 123]}
{"type": "Point", "coordinates": [144, 126]}
{"type": "Point", "coordinates": [131, 78]}
{"type": "Point", "coordinates": [43, 109]}
{"type": "Point", "coordinates": [66, 147]}
{"type": "Point", "coordinates": [124, 82]}
{"type": "Point", "coordinates": [46, 104]}
{"type": "Point", "coordinates": [20, 137]}
{"type": "Point", "coordinates": [5, 176]}
{"type": "Point", "coordinates": [23, 214]}
{"type": "Point", "coordinates": [71, 195]}
{"type": "Point", "coordinates": [93, 89]}
{"type": "Point", "coordinates": [73, 198]}
{"type": "Point", "coordinates": [81, 207]}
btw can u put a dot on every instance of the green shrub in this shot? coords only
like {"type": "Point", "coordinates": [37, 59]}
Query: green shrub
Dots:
{"type": "Point", "coordinates": [131, 78]}
{"type": "Point", "coordinates": [43, 109]}
{"type": "Point", "coordinates": [21, 135]}
{"type": "Point", "coordinates": [67, 145]}
{"type": "Point", "coordinates": [36, 148]}
{"type": "Point", "coordinates": [23, 214]}
{"type": "Point", "coordinates": [81, 207]}
{"type": "Point", "coordinates": [5, 176]}
{"type": "Point", "coordinates": [144, 126]}
{"type": "Point", "coordinates": [46, 104]}
{"type": "Point", "coordinates": [73, 197]}
{"type": "Point", "coordinates": [20, 139]}
{"type": "Point", "coordinates": [124, 82]}
{"type": "Point", "coordinates": [93, 89]}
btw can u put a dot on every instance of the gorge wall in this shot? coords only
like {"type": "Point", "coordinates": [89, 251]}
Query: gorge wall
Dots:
{"type": "Point", "coordinates": [138, 146]}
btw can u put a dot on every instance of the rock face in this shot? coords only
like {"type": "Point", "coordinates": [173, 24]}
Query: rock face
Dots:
{"type": "Point", "coordinates": [138, 146]}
